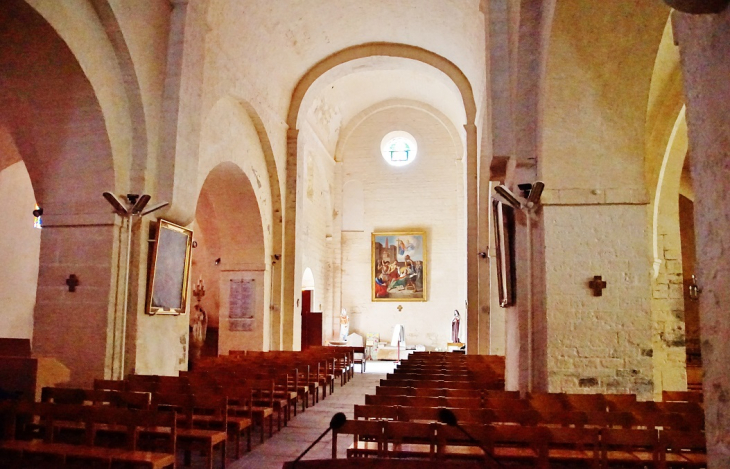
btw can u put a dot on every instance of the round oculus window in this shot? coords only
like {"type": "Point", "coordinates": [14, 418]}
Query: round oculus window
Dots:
{"type": "Point", "coordinates": [399, 148]}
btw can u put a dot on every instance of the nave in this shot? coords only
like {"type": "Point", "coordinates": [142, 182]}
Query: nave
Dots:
{"type": "Point", "coordinates": [434, 409]}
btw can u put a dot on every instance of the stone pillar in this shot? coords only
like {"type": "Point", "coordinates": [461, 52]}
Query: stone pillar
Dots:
{"type": "Point", "coordinates": [597, 343]}
{"type": "Point", "coordinates": [80, 329]}
{"type": "Point", "coordinates": [704, 46]}
{"type": "Point", "coordinates": [289, 296]}
{"type": "Point", "coordinates": [472, 225]}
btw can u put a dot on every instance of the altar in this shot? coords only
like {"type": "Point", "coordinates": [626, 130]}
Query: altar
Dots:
{"type": "Point", "coordinates": [397, 350]}
{"type": "Point", "coordinates": [388, 352]}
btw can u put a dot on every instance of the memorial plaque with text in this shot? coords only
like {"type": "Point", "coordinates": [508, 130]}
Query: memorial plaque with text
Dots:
{"type": "Point", "coordinates": [241, 303]}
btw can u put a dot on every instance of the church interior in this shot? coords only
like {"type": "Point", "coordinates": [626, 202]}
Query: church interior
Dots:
{"type": "Point", "coordinates": [538, 182]}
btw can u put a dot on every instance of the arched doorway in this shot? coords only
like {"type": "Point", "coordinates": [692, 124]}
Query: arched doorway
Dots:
{"type": "Point", "coordinates": [311, 317]}
{"type": "Point", "coordinates": [229, 260]}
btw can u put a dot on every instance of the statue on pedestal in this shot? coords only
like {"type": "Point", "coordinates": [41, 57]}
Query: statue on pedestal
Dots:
{"type": "Point", "coordinates": [455, 327]}
{"type": "Point", "coordinates": [344, 325]}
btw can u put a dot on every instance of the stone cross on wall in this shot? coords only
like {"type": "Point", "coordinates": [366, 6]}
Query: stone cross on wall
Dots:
{"type": "Point", "coordinates": [72, 281]}
{"type": "Point", "coordinates": [597, 285]}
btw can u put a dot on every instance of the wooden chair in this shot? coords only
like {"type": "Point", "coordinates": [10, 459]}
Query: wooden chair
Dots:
{"type": "Point", "coordinates": [575, 445]}
{"type": "Point", "coordinates": [409, 439]}
{"type": "Point", "coordinates": [686, 449]}
{"type": "Point", "coordinates": [453, 443]}
{"type": "Point", "coordinates": [242, 405]}
{"type": "Point", "coordinates": [114, 385]}
{"type": "Point", "coordinates": [264, 404]}
{"type": "Point", "coordinates": [367, 438]}
{"type": "Point", "coordinates": [377, 412]}
{"type": "Point", "coordinates": [682, 396]}
{"type": "Point", "coordinates": [188, 436]}
{"type": "Point", "coordinates": [522, 445]}
{"type": "Point", "coordinates": [629, 447]}
{"type": "Point", "coordinates": [620, 402]}
{"type": "Point", "coordinates": [586, 402]}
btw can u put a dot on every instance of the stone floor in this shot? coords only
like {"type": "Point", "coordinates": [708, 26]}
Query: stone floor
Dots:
{"type": "Point", "coordinates": [303, 429]}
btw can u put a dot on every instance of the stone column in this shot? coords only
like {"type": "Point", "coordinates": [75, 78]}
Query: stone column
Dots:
{"type": "Point", "coordinates": [82, 329]}
{"type": "Point", "coordinates": [289, 298]}
{"type": "Point", "coordinates": [472, 259]}
{"type": "Point", "coordinates": [704, 45]}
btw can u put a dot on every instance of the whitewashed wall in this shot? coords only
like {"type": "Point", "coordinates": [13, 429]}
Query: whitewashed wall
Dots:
{"type": "Point", "coordinates": [426, 195]}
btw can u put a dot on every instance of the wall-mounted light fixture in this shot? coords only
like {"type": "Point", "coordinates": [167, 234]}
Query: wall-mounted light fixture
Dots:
{"type": "Point", "coordinates": [135, 206]}
{"type": "Point", "coordinates": [529, 206]}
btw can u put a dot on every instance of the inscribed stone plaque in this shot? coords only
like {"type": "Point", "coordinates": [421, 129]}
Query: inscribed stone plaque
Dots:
{"type": "Point", "coordinates": [241, 303]}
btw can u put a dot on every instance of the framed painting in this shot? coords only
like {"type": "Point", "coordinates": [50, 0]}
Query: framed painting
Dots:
{"type": "Point", "coordinates": [504, 234]}
{"type": "Point", "coordinates": [167, 292]}
{"type": "Point", "coordinates": [399, 266]}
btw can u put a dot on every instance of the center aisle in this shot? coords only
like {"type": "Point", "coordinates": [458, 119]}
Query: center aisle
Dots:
{"type": "Point", "coordinates": [303, 429]}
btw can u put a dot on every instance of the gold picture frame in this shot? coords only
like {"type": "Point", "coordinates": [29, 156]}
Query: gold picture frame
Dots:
{"type": "Point", "coordinates": [167, 291]}
{"type": "Point", "coordinates": [399, 266]}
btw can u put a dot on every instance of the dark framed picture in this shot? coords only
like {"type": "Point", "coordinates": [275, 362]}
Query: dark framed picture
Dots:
{"type": "Point", "coordinates": [399, 266]}
{"type": "Point", "coordinates": [504, 234]}
{"type": "Point", "coordinates": [169, 269]}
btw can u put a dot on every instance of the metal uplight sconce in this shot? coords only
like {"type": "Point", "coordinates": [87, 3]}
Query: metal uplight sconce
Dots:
{"type": "Point", "coordinates": [529, 206]}
{"type": "Point", "coordinates": [136, 206]}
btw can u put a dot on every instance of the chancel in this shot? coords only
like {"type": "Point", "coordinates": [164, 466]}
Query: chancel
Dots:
{"type": "Point", "coordinates": [513, 181]}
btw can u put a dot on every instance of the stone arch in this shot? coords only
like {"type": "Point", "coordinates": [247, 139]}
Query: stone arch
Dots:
{"type": "Point", "coordinates": [666, 149]}
{"type": "Point", "coordinates": [341, 57]}
{"type": "Point", "coordinates": [89, 40]}
{"type": "Point", "coordinates": [230, 136]}
{"type": "Point", "coordinates": [55, 117]}
{"type": "Point", "coordinates": [231, 248]}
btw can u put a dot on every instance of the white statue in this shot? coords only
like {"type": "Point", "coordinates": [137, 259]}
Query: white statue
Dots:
{"type": "Point", "coordinates": [344, 325]}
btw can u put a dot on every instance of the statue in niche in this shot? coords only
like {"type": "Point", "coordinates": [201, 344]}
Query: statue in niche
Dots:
{"type": "Point", "coordinates": [198, 324]}
{"type": "Point", "coordinates": [344, 325]}
{"type": "Point", "coordinates": [455, 323]}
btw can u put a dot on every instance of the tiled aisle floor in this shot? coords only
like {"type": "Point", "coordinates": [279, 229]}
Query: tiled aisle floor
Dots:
{"type": "Point", "coordinates": [303, 429]}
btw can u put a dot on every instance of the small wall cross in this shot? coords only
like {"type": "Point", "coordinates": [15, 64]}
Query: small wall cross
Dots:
{"type": "Point", "coordinates": [597, 285]}
{"type": "Point", "coordinates": [72, 281]}
{"type": "Point", "coordinates": [400, 308]}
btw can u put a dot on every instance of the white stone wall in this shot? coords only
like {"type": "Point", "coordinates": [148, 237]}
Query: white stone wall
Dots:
{"type": "Point", "coordinates": [426, 195]}
{"type": "Point", "coordinates": [598, 344]}
{"type": "Point", "coordinates": [316, 224]}
{"type": "Point", "coordinates": [20, 244]}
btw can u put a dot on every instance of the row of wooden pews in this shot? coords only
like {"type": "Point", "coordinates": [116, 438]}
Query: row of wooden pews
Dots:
{"type": "Point", "coordinates": [410, 413]}
{"type": "Point", "coordinates": [143, 420]}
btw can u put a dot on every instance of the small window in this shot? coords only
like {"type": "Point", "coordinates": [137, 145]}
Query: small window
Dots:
{"type": "Point", "coordinates": [399, 148]}
{"type": "Point", "coordinates": [37, 217]}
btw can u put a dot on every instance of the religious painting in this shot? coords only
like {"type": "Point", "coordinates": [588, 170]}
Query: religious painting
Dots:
{"type": "Point", "coordinates": [504, 234]}
{"type": "Point", "coordinates": [169, 269]}
{"type": "Point", "coordinates": [399, 266]}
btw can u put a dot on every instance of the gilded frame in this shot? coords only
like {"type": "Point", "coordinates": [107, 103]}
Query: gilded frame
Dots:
{"type": "Point", "coordinates": [399, 266]}
{"type": "Point", "coordinates": [167, 291]}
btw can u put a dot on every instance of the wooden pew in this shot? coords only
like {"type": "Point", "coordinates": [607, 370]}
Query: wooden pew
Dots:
{"type": "Point", "coordinates": [23, 451]}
